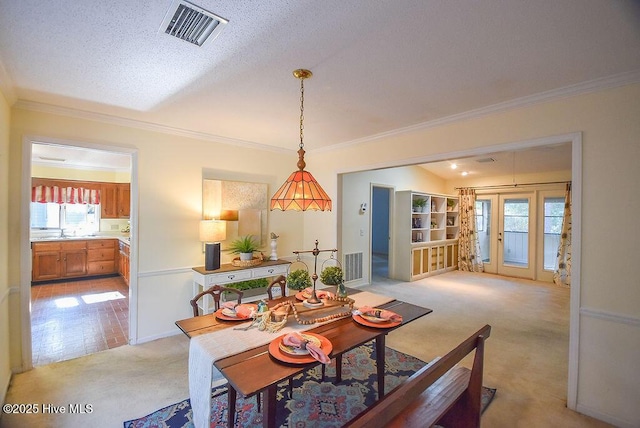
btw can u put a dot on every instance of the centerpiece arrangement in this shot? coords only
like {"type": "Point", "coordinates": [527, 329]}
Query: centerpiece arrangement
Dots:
{"type": "Point", "coordinates": [245, 247]}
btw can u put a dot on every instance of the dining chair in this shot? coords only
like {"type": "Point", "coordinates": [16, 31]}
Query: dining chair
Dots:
{"type": "Point", "coordinates": [215, 292]}
{"type": "Point", "coordinates": [279, 281]}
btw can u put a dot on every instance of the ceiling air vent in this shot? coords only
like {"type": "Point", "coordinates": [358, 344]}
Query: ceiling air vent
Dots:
{"type": "Point", "coordinates": [191, 23]}
{"type": "Point", "coordinates": [485, 160]}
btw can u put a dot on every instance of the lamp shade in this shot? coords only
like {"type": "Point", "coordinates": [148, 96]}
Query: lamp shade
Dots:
{"type": "Point", "coordinates": [301, 192]}
{"type": "Point", "coordinates": [213, 231]}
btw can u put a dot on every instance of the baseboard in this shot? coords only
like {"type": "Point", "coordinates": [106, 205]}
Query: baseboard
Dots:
{"type": "Point", "coordinates": [157, 336]}
{"type": "Point", "coordinates": [585, 410]}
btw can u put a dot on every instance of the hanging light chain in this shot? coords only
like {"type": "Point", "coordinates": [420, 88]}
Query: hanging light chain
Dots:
{"type": "Point", "coordinates": [301, 112]}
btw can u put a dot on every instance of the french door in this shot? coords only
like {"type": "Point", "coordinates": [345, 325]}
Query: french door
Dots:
{"type": "Point", "coordinates": [506, 225]}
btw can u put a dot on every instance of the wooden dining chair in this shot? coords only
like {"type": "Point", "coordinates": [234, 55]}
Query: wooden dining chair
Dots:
{"type": "Point", "coordinates": [280, 281]}
{"type": "Point", "coordinates": [215, 292]}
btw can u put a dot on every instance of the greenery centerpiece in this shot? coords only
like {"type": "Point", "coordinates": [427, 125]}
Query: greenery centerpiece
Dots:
{"type": "Point", "coordinates": [244, 246]}
{"type": "Point", "coordinates": [332, 275]}
{"type": "Point", "coordinates": [298, 279]}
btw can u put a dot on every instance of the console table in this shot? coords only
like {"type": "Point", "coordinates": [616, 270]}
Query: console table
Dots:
{"type": "Point", "coordinates": [228, 274]}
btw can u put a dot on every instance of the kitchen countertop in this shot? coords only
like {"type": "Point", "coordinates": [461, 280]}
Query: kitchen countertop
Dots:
{"type": "Point", "coordinates": [124, 239]}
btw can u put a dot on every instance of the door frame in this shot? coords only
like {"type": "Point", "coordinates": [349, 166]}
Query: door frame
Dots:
{"type": "Point", "coordinates": [25, 243]}
{"type": "Point", "coordinates": [575, 138]}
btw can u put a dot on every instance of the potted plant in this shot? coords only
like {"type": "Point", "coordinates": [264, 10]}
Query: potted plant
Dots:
{"type": "Point", "coordinates": [298, 279]}
{"type": "Point", "coordinates": [331, 275]}
{"type": "Point", "coordinates": [419, 204]}
{"type": "Point", "coordinates": [245, 246]}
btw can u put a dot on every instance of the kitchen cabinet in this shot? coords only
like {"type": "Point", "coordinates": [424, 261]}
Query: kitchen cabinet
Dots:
{"type": "Point", "coordinates": [123, 261]}
{"type": "Point", "coordinates": [101, 256]}
{"type": "Point", "coordinates": [124, 200]}
{"type": "Point", "coordinates": [73, 258]}
{"type": "Point", "coordinates": [57, 260]}
{"type": "Point", "coordinates": [115, 200]}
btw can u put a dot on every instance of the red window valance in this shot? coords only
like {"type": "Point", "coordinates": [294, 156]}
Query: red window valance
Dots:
{"type": "Point", "coordinates": [65, 195]}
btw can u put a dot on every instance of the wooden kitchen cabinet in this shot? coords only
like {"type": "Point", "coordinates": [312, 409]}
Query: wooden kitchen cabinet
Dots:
{"type": "Point", "coordinates": [101, 256]}
{"type": "Point", "coordinates": [124, 200]}
{"type": "Point", "coordinates": [115, 200]}
{"type": "Point", "coordinates": [56, 260]}
{"type": "Point", "coordinates": [123, 261]}
{"type": "Point", "coordinates": [73, 258]}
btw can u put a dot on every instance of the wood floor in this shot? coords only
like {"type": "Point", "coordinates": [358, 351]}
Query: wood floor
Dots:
{"type": "Point", "coordinates": [76, 318]}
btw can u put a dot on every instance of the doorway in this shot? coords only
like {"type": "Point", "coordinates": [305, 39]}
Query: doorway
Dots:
{"type": "Point", "coordinates": [380, 230]}
{"type": "Point", "coordinates": [519, 232]}
{"type": "Point", "coordinates": [100, 304]}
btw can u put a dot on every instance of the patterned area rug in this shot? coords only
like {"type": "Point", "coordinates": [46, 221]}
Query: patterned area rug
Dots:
{"type": "Point", "coordinates": [313, 403]}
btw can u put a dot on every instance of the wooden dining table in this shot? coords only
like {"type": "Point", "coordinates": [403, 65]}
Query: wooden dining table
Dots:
{"type": "Point", "coordinates": [256, 370]}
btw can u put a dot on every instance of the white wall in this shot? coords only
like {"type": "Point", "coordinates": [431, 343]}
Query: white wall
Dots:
{"type": "Point", "coordinates": [5, 288]}
{"type": "Point", "coordinates": [608, 305]}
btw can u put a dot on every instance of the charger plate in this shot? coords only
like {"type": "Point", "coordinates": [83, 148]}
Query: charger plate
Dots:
{"type": "Point", "coordinates": [278, 354]}
{"type": "Point", "coordinates": [220, 313]}
{"type": "Point", "coordinates": [376, 324]}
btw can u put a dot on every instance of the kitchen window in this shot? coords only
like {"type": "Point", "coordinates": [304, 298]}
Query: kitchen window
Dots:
{"type": "Point", "coordinates": [76, 217]}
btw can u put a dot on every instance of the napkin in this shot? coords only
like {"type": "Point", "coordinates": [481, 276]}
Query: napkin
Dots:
{"type": "Point", "coordinates": [242, 311]}
{"type": "Point", "coordinates": [379, 313]}
{"type": "Point", "coordinates": [296, 340]}
{"type": "Point", "coordinates": [320, 293]}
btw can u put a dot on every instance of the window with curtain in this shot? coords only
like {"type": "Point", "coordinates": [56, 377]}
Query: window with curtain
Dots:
{"type": "Point", "coordinates": [65, 208]}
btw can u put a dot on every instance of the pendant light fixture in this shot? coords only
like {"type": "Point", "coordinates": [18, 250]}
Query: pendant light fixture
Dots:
{"type": "Point", "coordinates": [301, 191]}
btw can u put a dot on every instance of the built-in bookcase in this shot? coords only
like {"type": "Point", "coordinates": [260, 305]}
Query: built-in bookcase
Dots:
{"type": "Point", "coordinates": [426, 232]}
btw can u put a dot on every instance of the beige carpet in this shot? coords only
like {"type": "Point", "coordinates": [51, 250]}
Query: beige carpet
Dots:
{"type": "Point", "coordinates": [526, 358]}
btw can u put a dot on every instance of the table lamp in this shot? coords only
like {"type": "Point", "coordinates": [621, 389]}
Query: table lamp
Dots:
{"type": "Point", "coordinates": [211, 233]}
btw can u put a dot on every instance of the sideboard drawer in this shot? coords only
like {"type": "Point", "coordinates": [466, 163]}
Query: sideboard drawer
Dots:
{"type": "Point", "coordinates": [227, 277]}
{"type": "Point", "coordinates": [270, 271]}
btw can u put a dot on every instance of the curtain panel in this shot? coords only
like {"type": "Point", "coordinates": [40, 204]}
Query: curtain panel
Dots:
{"type": "Point", "coordinates": [469, 259]}
{"type": "Point", "coordinates": [65, 195]}
{"type": "Point", "coordinates": [562, 275]}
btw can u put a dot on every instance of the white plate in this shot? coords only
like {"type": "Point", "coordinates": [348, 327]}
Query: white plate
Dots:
{"type": "Point", "coordinates": [291, 350]}
{"type": "Point", "coordinates": [371, 318]}
{"type": "Point", "coordinates": [229, 312]}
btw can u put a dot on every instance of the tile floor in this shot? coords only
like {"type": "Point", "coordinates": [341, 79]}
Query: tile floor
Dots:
{"type": "Point", "coordinates": [76, 318]}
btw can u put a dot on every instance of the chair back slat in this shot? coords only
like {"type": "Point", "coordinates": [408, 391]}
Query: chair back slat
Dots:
{"type": "Point", "coordinates": [215, 292]}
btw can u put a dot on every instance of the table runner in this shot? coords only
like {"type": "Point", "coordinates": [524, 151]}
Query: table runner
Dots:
{"type": "Point", "coordinates": [205, 349]}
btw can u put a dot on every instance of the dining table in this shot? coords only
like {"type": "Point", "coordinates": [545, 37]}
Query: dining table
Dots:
{"type": "Point", "coordinates": [226, 351]}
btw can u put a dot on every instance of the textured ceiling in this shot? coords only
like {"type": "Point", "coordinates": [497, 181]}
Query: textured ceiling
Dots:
{"type": "Point", "coordinates": [379, 66]}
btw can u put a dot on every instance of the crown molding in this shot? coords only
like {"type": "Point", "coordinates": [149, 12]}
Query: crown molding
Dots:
{"type": "Point", "coordinates": [595, 85]}
{"type": "Point", "coordinates": [132, 123]}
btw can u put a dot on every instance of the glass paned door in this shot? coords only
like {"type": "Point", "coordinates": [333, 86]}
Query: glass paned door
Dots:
{"type": "Point", "coordinates": [515, 224]}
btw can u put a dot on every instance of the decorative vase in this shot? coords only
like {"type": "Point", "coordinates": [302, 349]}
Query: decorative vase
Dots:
{"type": "Point", "coordinates": [274, 248]}
{"type": "Point", "coordinates": [341, 291]}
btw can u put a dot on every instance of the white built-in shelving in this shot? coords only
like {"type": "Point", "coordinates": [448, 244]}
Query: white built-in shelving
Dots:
{"type": "Point", "coordinates": [426, 230]}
